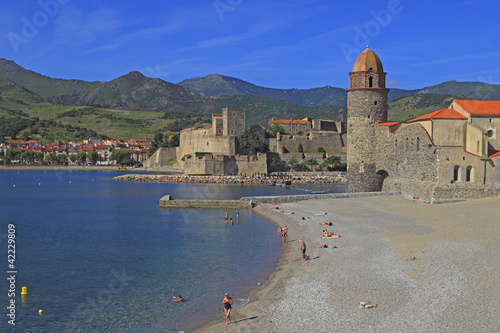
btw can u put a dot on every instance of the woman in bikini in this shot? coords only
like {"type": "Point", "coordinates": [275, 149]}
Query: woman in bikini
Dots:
{"type": "Point", "coordinates": [228, 302]}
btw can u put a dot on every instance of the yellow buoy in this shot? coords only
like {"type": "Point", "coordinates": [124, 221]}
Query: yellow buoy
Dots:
{"type": "Point", "coordinates": [14, 185]}
{"type": "Point", "coordinates": [40, 311]}
{"type": "Point", "coordinates": [39, 184]}
{"type": "Point", "coordinates": [24, 291]}
{"type": "Point", "coordinates": [70, 181]}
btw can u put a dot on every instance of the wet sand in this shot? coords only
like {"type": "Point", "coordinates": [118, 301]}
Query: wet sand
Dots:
{"type": "Point", "coordinates": [428, 268]}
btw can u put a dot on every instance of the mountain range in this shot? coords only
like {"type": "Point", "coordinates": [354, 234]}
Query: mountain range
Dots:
{"type": "Point", "coordinates": [208, 94]}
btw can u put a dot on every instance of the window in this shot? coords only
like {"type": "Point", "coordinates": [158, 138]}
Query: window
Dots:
{"type": "Point", "coordinates": [468, 174]}
{"type": "Point", "coordinates": [456, 169]}
{"type": "Point", "coordinates": [370, 81]}
{"type": "Point", "coordinates": [375, 103]}
{"type": "Point", "coordinates": [477, 148]}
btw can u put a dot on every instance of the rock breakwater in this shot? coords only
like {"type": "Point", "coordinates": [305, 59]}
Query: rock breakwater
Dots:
{"type": "Point", "coordinates": [263, 180]}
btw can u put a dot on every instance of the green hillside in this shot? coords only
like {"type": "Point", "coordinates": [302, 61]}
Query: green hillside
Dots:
{"type": "Point", "coordinates": [409, 107]}
{"type": "Point", "coordinates": [41, 84]}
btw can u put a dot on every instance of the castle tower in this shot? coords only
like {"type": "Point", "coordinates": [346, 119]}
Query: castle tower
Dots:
{"type": "Point", "coordinates": [366, 107]}
{"type": "Point", "coordinates": [233, 121]}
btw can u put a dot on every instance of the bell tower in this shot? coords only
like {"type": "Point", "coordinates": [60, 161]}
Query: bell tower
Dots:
{"type": "Point", "coordinates": [366, 108]}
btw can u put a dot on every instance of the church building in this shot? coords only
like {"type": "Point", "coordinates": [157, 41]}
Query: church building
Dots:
{"type": "Point", "coordinates": [448, 154]}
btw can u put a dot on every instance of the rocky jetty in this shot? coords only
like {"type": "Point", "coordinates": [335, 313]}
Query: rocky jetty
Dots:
{"type": "Point", "coordinates": [263, 180]}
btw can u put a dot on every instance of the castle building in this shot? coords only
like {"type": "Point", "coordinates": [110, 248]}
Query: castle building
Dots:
{"type": "Point", "coordinates": [448, 154]}
{"type": "Point", "coordinates": [211, 150]}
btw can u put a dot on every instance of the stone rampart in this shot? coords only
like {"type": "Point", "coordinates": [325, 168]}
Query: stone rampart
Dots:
{"type": "Point", "coordinates": [331, 142]}
{"type": "Point", "coordinates": [161, 157]}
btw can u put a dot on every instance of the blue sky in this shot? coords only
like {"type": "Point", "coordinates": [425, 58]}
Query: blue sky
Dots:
{"type": "Point", "coordinates": [276, 44]}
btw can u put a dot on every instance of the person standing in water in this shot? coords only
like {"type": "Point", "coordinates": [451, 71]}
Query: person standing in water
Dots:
{"type": "Point", "coordinates": [228, 302]}
{"type": "Point", "coordinates": [237, 214]}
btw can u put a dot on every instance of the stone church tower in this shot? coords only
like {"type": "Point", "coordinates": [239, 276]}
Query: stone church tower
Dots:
{"type": "Point", "coordinates": [366, 108]}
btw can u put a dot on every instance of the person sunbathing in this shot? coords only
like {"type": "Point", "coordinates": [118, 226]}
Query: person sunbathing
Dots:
{"type": "Point", "coordinates": [328, 234]}
{"type": "Point", "coordinates": [327, 224]}
{"type": "Point", "coordinates": [326, 246]}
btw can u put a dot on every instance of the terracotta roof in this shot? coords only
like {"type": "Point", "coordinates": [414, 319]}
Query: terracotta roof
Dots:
{"type": "Point", "coordinates": [493, 153]}
{"type": "Point", "coordinates": [391, 123]}
{"type": "Point", "coordinates": [289, 121]}
{"type": "Point", "coordinates": [490, 108]}
{"type": "Point", "coordinates": [207, 127]}
{"type": "Point", "coordinates": [217, 114]}
{"type": "Point", "coordinates": [367, 60]}
{"type": "Point", "coordinates": [440, 114]}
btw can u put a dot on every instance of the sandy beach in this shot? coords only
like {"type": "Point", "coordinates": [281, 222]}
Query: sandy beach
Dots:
{"type": "Point", "coordinates": [428, 268]}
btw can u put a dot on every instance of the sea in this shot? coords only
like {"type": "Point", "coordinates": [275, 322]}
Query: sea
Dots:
{"type": "Point", "coordinates": [99, 255]}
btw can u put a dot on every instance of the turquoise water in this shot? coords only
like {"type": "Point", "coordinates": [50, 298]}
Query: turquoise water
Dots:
{"type": "Point", "coordinates": [99, 255]}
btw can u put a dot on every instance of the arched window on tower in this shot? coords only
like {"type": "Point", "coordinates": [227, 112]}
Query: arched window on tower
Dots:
{"type": "Point", "coordinates": [370, 81]}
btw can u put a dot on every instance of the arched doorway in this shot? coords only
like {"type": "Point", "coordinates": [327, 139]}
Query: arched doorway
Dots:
{"type": "Point", "coordinates": [381, 176]}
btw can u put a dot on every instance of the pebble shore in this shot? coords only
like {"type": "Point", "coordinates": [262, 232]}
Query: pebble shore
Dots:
{"type": "Point", "coordinates": [427, 268]}
{"type": "Point", "coordinates": [279, 180]}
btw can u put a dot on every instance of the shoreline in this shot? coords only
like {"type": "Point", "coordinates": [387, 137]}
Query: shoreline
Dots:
{"type": "Point", "coordinates": [427, 267]}
{"type": "Point", "coordinates": [61, 168]}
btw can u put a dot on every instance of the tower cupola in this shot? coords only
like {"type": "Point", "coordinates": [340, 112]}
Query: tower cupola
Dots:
{"type": "Point", "coordinates": [367, 71]}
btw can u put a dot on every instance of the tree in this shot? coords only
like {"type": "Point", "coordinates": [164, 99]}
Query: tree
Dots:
{"type": "Point", "coordinates": [174, 140]}
{"type": "Point", "coordinates": [292, 162]}
{"type": "Point", "coordinates": [51, 157]}
{"type": "Point", "coordinates": [93, 156]}
{"type": "Point", "coordinates": [73, 158]}
{"type": "Point", "coordinates": [39, 156]}
{"type": "Point", "coordinates": [121, 156]}
{"type": "Point", "coordinates": [61, 158]}
{"type": "Point", "coordinates": [300, 148]}
{"type": "Point", "coordinates": [28, 156]}
{"type": "Point", "coordinates": [300, 133]}
{"type": "Point", "coordinates": [330, 161]}
{"type": "Point", "coordinates": [81, 157]}
{"type": "Point", "coordinates": [249, 141]}
{"type": "Point", "coordinates": [321, 150]}
{"type": "Point", "coordinates": [275, 128]}
{"type": "Point", "coordinates": [312, 162]}
{"type": "Point", "coordinates": [12, 155]}
{"type": "Point", "coordinates": [155, 144]}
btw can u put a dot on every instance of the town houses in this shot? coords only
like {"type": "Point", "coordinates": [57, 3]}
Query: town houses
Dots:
{"type": "Point", "coordinates": [104, 148]}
